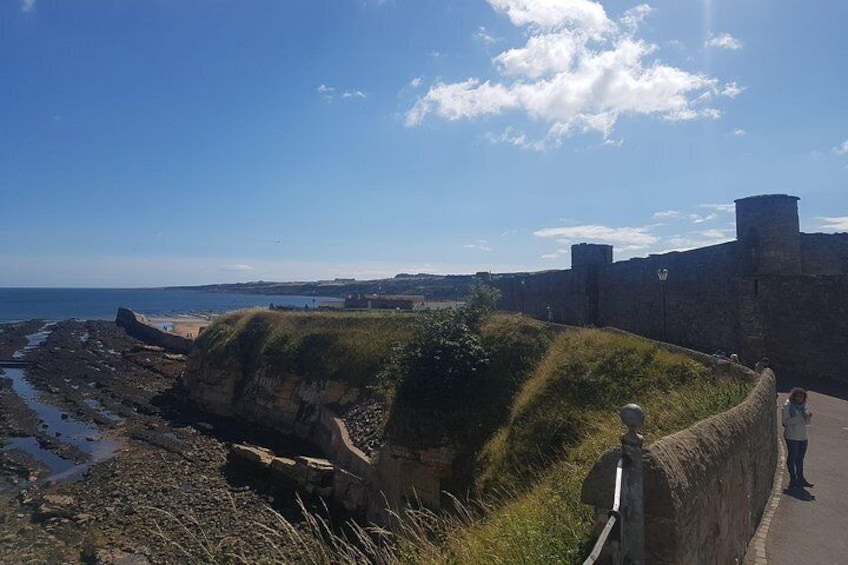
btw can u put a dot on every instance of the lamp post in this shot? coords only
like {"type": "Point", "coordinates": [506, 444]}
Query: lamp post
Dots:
{"type": "Point", "coordinates": [662, 275]}
{"type": "Point", "coordinates": [523, 296]}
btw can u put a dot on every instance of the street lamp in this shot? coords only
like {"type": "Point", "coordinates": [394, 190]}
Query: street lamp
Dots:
{"type": "Point", "coordinates": [662, 274]}
{"type": "Point", "coordinates": [523, 296]}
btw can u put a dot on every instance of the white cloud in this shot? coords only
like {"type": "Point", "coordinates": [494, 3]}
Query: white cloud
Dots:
{"type": "Point", "coordinates": [483, 36]}
{"type": "Point", "coordinates": [837, 223]}
{"type": "Point", "coordinates": [628, 238]}
{"type": "Point", "coordinates": [240, 268]}
{"type": "Point", "coordinates": [695, 218]}
{"type": "Point", "coordinates": [724, 41]}
{"type": "Point", "coordinates": [553, 14]}
{"type": "Point", "coordinates": [416, 82]}
{"type": "Point", "coordinates": [479, 245]}
{"type": "Point", "coordinates": [724, 208]}
{"type": "Point", "coordinates": [695, 240]}
{"type": "Point", "coordinates": [27, 5]}
{"type": "Point", "coordinates": [842, 149]}
{"type": "Point", "coordinates": [738, 132]}
{"type": "Point", "coordinates": [579, 71]}
{"type": "Point", "coordinates": [511, 136]}
{"type": "Point", "coordinates": [329, 92]}
{"type": "Point", "coordinates": [667, 214]}
{"type": "Point", "coordinates": [732, 90]}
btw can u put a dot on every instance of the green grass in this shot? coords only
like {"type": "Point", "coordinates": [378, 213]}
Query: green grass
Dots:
{"type": "Point", "coordinates": [349, 347]}
{"type": "Point", "coordinates": [562, 421]}
{"type": "Point", "coordinates": [544, 409]}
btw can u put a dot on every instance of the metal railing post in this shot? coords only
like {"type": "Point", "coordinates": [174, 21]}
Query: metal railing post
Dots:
{"type": "Point", "coordinates": [633, 503]}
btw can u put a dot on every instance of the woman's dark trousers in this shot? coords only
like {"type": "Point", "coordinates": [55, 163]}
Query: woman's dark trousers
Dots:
{"type": "Point", "coordinates": [795, 451]}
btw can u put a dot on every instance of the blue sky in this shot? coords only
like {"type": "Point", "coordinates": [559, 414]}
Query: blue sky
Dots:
{"type": "Point", "coordinates": [163, 142]}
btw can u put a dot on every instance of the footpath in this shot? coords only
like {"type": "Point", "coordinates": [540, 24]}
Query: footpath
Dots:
{"type": "Point", "coordinates": [810, 525]}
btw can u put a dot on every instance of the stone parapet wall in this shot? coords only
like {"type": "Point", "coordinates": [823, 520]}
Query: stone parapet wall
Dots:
{"type": "Point", "coordinates": [706, 487]}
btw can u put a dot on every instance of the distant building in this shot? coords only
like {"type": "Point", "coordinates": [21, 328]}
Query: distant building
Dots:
{"type": "Point", "coordinates": [384, 302]}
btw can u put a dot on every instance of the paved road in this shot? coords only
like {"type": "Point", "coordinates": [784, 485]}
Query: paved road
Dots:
{"type": "Point", "coordinates": [811, 527]}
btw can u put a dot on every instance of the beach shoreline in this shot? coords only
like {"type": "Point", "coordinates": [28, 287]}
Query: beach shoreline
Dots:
{"type": "Point", "coordinates": [169, 479]}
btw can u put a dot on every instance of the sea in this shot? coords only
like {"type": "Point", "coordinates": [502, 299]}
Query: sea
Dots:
{"type": "Point", "coordinates": [56, 304]}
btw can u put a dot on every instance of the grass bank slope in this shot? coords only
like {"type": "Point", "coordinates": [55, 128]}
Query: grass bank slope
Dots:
{"type": "Point", "coordinates": [533, 419]}
{"type": "Point", "coordinates": [351, 348]}
{"type": "Point", "coordinates": [564, 417]}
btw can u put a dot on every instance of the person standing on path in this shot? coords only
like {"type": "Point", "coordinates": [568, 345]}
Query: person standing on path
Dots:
{"type": "Point", "coordinates": [795, 418]}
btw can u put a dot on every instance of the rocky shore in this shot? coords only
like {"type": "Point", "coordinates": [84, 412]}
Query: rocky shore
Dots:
{"type": "Point", "coordinates": [167, 492]}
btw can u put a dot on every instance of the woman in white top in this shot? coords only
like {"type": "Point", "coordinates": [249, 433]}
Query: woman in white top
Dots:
{"type": "Point", "coordinates": [796, 416]}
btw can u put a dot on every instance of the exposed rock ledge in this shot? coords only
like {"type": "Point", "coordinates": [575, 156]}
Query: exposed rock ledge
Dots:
{"type": "Point", "coordinates": [309, 409]}
{"type": "Point", "coordinates": [139, 327]}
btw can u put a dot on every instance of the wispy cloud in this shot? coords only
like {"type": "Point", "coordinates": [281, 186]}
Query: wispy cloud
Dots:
{"type": "Point", "coordinates": [732, 90]}
{"type": "Point", "coordinates": [672, 230]}
{"type": "Point", "coordinates": [416, 82]}
{"type": "Point", "coordinates": [724, 41]}
{"type": "Point", "coordinates": [842, 149]}
{"type": "Point", "coordinates": [738, 132]}
{"type": "Point", "coordinates": [241, 268]}
{"type": "Point", "coordinates": [836, 223]}
{"type": "Point", "coordinates": [627, 237]}
{"type": "Point", "coordinates": [696, 239]}
{"type": "Point", "coordinates": [512, 136]}
{"type": "Point", "coordinates": [27, 5]}
{"type": "Point", "coordinates": [578, 72]}
{"type": "Point", "coordinates": [695, 218]}
{"type": "Point", "coordinates": [483, 36]}
{"type": "Point", "coordinates": [479, 245]}
{"type": "Point", "coordinates": [724, 208]}
{"type": "Point", "coordinates": [330, 92]}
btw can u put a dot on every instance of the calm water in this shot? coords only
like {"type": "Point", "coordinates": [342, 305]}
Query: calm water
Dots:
{"type": "Point", "coordinates": [102, 304]}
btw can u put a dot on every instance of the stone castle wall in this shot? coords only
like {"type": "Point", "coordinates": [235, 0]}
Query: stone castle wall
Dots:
{"type": "Point", "coordinates": [824, 253]}
{"type": "Point", "coordinates": [774, 292]}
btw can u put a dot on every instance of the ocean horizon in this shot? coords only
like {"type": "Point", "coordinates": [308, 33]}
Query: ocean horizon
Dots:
{"type": "Point", "coordinates": [55, 304]}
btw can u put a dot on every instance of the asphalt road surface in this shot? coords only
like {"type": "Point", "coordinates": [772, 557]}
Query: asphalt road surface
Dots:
{"type": "Point", "coordinates": [810, 526]}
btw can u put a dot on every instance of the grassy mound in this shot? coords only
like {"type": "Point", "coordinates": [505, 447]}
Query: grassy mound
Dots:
{"type": "Point", "coordinates": [533, 410]}
{"type": "Point", "coordinates": [348, 347]}
{"type": "Point", "coordinates": [563, 419]}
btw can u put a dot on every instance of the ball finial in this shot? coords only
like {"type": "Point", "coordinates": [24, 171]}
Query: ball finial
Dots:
{"type": "Point", "coordinates": [632, 416]}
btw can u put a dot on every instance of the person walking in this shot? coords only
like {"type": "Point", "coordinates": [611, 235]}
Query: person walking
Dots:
{"type": "Point", "coordinates": [795, 418]}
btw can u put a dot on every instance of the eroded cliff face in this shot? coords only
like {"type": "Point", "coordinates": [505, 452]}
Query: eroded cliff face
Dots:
{"type": "Point", "coordinates": [287, 402]}
{"type": "Point", "coordinates": [309, 408]}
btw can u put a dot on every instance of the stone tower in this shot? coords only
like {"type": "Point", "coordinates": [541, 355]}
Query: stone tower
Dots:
{"type": "Point", "coordinates": [587, 260]}
{"type": "Point", "coordinates": [769, 235]}
{"type": "Point", "coordinates": [590, 254]}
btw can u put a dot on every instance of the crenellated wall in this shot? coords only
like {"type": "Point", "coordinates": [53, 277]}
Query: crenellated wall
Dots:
{"type": "Point", "coordinates": [774, 292]}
